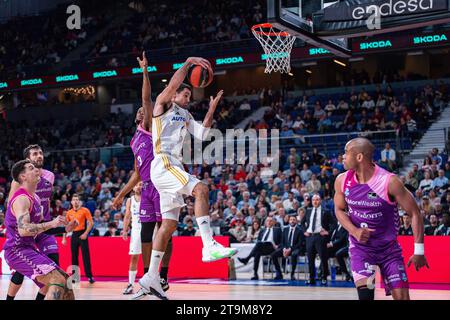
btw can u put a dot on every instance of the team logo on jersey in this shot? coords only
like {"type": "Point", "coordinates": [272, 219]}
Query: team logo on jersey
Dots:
{"type": "Point", "coordinates": [372, 195]}
{"type": "Point", "coordinates": [347, 192]}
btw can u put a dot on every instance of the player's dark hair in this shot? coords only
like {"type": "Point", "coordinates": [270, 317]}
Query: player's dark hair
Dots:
{"type": "Point", "coordinates": [26, 151]}
{"type": "Point", "coordinates": [18, 168]}
{"type": "Point", "coordinates": [184, 86]}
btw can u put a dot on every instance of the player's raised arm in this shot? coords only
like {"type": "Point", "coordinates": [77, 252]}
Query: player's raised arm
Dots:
{"type": "Point", "coordinates": [146, 92]}
{"type": "Point", "coordinates": [405, 199]}
{"type": "Point", "coordinates": [21, 209]}
{"type": "Point", "coordinates": [361, 234]}
{"type": "Point", "coordinates": [200, 131]}
{"type": "Point", "coordinates": [177, 79]}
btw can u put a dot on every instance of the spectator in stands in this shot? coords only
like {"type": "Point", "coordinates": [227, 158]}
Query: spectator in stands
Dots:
{"type": "Point", "coordinates": [406, 229]}
{"type": "Point", "coordinates": [189, 230]}
{"type": "Point", "coordinates": [432, 225]}
{"type": "Point", "coordinates": [268, 241]}
{"type": "Point", "coordinates": [444, 228]}
{"type": "Point", "coordinates": [306, 173]}
{"type": "Point", "coordinates": [253, 231]}
{"type": "Point", "coordinates": [313, 185]}
{"type": "Point", "coordinates": [112, 230]}
{"type": "Point", "coordinates": [291, 245]}
{"type": "Point", "coordinates": [317, 224]}
{"type": "Point", "coordinates": [288, 204]}
{"type": "Point", "coordinates": [412, 180]}
{"type": "Point", "coordinates": [388, 157]}
{"type": "Point", "coordinates": [441, 181]}
{"type": "Point", "coordinates": [237, 232]}
{"type": "Point", "coordinates": [338, 247]}
{"type": "Point", "coordinates": [427, 183]}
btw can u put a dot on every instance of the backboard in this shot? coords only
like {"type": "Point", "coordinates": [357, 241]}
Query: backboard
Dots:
{"type": "Point", "coordinates": [329, 24]}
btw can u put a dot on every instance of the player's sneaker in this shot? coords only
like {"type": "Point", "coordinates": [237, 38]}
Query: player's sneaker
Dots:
{"type": "Point", "coordinates": [164, 284]}
{"type": "Point", "coordinates": [153, 285]}
{"type": "Point", "coordinates": [142, 293]}
{"type": "Point", "coordinates": [216, 251]}
{"type": "Point", "coordinates": [128, 289]}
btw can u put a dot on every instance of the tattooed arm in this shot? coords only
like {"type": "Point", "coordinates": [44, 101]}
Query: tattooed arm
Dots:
{"type": "Point", "coordinates": [21, 209]}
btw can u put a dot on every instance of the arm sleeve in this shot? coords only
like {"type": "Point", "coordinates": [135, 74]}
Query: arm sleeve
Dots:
{"type": "Point", "coordinates": [196, 129]}
{"type": "Point", "coordinates": [59, 230]}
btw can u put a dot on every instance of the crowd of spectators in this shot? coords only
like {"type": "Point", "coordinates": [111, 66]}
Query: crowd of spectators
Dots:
{"type": "Point", "coordinates": [26, 43]}
{"type": "Point", "coordinates": [174, 24]}
{"type": "Point", "coordinates": [429, 182]}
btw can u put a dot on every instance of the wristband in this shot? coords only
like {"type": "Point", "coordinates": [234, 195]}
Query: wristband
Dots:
{"type": "Point", "coordinates": [419, 249]}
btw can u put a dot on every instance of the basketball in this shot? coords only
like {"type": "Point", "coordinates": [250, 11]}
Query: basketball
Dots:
{"type": "Point", "coordinates": [199, 77]}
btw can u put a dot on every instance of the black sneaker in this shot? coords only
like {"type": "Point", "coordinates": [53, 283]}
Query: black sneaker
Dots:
{"type": "Point", "coordinates": [243, 260]}
{"type": "Point", "coordinates": [164, 284]}
{"type": "Point", "coordinates": [128, 289]}
{"type": "Point", "coordinates": [91, 280]}
{"type": "Point", "coordinates": [323, 282]}
{"type": "Point", "coordinates": [311, 282]}
{"type": "Point", "coordinates": [255, 277]}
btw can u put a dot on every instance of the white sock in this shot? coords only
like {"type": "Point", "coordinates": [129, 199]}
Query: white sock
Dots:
{"type": "Point", "coordinates": [131, 276]}
{"type": "Point", "coordinates": [154, 262]}
{"type": "Point", "coordinates": [205, 230]}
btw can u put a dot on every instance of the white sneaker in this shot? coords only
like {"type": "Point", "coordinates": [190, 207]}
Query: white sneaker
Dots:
{"type": "Point", "coordinates": [153, 285]}
{"type": "Point", "coordinates": [216, 251]}
{"type": "Point", "coordinates": [142, 293]}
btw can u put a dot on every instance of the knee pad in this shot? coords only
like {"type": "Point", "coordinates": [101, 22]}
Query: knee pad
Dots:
{"type": "Point", "coordinates": [54, 257]}
{"type": "Point", "coordinates": [17, 278]}
{"type": "Point", "coordinates": [147, 230]}
{"type": "Point", "coordinates": [365, 293]}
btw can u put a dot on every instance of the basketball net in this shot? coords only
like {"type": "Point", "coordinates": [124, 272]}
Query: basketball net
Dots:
{"type": "Point", "coordinates": [277, 47]}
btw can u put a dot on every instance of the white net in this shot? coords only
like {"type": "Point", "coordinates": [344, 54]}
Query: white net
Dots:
{"type": "Point", "coordinates": [277, 47]}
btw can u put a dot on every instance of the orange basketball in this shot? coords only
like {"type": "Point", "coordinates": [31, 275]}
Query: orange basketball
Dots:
{"type": "Point", "coordinates": [199, 77]}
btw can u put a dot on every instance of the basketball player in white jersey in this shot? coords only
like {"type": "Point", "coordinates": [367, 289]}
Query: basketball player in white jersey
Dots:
{"type": "Point", "coordinates": [132, 213]}
{"type": "Point", "coordinates": [170, 124]}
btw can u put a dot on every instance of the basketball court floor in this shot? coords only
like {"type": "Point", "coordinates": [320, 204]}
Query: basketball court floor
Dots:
{"type": "Point", "coordinates": [214, 289]}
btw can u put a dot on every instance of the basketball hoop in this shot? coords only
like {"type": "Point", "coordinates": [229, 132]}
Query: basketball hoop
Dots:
{"type": "Point", "coordinates": [277, 47]}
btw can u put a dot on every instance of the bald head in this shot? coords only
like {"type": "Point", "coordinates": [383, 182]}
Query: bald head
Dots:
{"type": "Point", "coordinates": [361, 145]}
{"type": "Point", "coordinates": [358, 151]}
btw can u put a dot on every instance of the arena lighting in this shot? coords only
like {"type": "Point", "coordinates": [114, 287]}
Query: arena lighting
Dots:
{"type": "Point", "coordinates": [339, 63]}
{"type": "Point", "coordinates": [307, 64]}
{"type": "Point", "coordinates": [308, 71]}
{"type": "Point", "coordinates": [415, 53]}
{"type": "Point", "coordinates": [164, 80]}
{"type": "Point", "coordinates": [291, 74]}
{"type": "Point", "coordinates": [356, 59]}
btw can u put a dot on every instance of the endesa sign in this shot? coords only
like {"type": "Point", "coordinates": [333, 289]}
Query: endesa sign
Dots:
{"type": "Point", "coordinates": [365, 8]}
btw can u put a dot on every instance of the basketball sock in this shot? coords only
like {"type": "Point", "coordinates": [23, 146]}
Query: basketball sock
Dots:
{"type": "Point", "coordinates": [145, 270]}
{"type": "Point", "coordinates": [40, 296]}
{"type": "Point", "coordinates": [155, 261]}
{"type": "Point", "coordinates": [163, 272]}
{"type": "Point", "coordinates": [8, 297]}
{"type": "Point", "coordinates": [365, 293]}
{"type": "Point", "coordinates": [131, 276]}
{"type": "Point", "coordinates": [205, 230]}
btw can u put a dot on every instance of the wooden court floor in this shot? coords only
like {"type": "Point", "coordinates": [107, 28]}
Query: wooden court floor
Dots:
{"type": "Point", "coordinates": [221, 290]}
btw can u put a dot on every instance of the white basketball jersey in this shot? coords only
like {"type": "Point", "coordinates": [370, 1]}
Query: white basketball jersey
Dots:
{"type": "Point", "coordinates": [171, 128]}
{"type": "Point", "coordinates": [134, 208]}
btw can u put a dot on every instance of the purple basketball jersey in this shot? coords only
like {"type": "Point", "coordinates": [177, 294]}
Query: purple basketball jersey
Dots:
{"type": "Point", "coordinates": [369, 206]}
{"type": "Point", "coordinates": [44, 191]}
{"type": "Point", "coordinates": [13, 238]}
{"type": "Point", "coordinates": [142, 146]}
